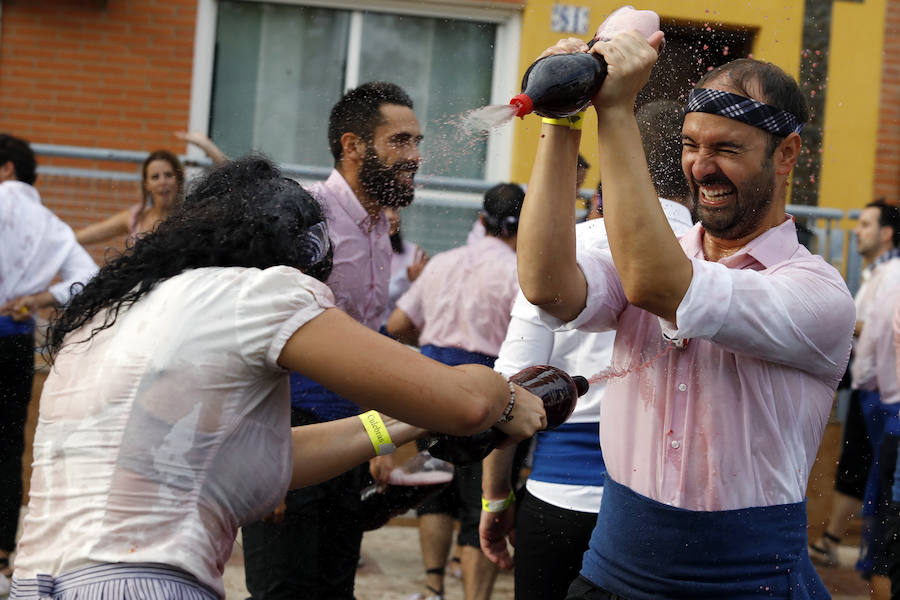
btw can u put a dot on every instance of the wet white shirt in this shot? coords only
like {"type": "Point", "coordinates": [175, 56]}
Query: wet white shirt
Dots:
{"type": "Point", "coordinates": [164, 433]}
{"type": "Point", "coordinates": [35, 245]}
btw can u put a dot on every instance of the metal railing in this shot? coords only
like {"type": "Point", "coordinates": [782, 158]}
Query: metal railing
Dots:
{"type": "Point", "coordinates": [836, 245]}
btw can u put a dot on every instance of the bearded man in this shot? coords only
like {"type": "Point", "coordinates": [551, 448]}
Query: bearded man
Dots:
{"type": "Point", "coordinates": [313, 549]}
{"type": "Point", "coordinates": [730, 340]}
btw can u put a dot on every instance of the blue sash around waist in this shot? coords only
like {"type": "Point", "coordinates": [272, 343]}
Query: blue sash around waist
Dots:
{"type": "Point", "coordinates": [569, 454]}
{"type": "Point", "coordinates": [8, 326]}
{"type": "Point", "coordinates": [457, 356]}
{"type": "Point", "coordinates": [642, 549]}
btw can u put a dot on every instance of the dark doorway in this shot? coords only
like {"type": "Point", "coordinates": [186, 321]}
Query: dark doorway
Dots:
{"type": "Point", "coordinates": [691, 50]}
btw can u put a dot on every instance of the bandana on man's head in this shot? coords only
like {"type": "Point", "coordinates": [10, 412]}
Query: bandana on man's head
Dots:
{"type": "Point", "coordinates": [746, 110]}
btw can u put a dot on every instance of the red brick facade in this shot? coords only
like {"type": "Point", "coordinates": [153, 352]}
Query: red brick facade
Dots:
{"type": "Point", "coordinates": [887, 153]}
{"type": "Point", "coordinates": [95, 73]}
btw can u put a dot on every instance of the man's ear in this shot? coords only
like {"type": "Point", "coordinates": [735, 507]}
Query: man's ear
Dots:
{"type": "Point", "coordinates": [8, 171]}
{"type": "Point", "coordinates": [786, 154]}
{"type": "Point", "coordinates": [353, 147]}
{"type": "Point", "coordinates": [887, 235]}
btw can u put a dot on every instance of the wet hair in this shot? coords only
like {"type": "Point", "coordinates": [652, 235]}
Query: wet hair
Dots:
{"type": "Point", "coordinates": [502, 206]}
{"type": "Point", "coordinates": [146, 197]}
{"type": "Point", "coordinates": [582, 163]}
{"type": "Point", "coordinates": [359, 112]}
{"type": "Point", "coordinates": [769, 84]}
{"type": "Point", "coordinates": [660, 125]}
{"type": "Point", "coordinates": [241, 214]}
{"type": "Point", "coordinates": [19, 152]}
{"type": "Point", "coordinates": [889, 216]}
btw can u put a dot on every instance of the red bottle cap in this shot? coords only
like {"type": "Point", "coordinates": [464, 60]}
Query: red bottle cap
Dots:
{"type": "Point", "coordinates": [523, 103]}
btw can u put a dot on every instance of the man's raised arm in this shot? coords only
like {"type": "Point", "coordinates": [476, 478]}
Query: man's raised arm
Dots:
{"type": "Point", "coordinates": [548, 274]}
{"type": "Point", "coordinates": [652, 267]}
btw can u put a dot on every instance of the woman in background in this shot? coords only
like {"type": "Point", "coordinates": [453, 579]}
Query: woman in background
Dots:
{"type": "Point", "coordinates": [162, 189]}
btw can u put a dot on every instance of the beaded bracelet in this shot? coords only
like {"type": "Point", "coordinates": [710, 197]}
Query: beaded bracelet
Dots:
{"type": "Point", "coordinates": [507, 416]}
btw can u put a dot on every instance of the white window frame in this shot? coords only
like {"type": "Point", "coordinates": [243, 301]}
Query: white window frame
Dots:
{"type": "Point", "coordinates": [505, 81]}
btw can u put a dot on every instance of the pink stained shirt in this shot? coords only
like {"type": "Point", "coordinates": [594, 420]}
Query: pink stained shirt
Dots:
{"type": "Point", "coordinates": [362, 252]}
{"type": "Point", "coordinates": [732, 418]}
{"type": "Point", "coordinates": [464, 296]}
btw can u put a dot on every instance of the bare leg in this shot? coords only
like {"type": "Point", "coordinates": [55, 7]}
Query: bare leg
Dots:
{"type": "Point", "coordinates": [843, 509]}
{"type": "Point", "coordinates": [478, 574]}
{"type": "Point", "coordinates": [880, 587]}
{"type": "Point", "coordinates": [435, 536]}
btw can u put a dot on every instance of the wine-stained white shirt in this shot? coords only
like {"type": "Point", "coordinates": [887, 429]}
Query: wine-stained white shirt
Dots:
{"type": "Point", "coordinates": [733, 417]}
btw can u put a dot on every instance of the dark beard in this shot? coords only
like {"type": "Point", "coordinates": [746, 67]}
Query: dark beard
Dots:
{"type": "Point", "coordinates": [381, 181]}
{"type": "Point", "coordinates": [751, 202]}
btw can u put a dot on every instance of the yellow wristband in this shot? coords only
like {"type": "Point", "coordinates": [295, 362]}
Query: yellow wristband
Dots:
{"type": "Point", "coordinates": [378, 433]}
{"type": "Point", "coordinates": [572, 121]}
{"type": "Point", "coordinates": [493, 506]}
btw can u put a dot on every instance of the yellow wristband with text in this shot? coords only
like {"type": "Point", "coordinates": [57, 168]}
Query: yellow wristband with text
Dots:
{"type": "Point", "coordinates": [572, 121]}
{"type": "Point", "coordinates": [493, 506]}
{"type": "Point", "coordinates": [378, 433]}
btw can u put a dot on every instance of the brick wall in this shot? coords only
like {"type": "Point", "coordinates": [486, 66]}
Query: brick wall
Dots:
{"type": "Point", "coordinates": [887, 157]}
{"type": "Point", "coordinates": [95, 73]}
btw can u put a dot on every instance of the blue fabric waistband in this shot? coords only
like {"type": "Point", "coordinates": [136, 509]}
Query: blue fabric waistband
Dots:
{"type": "Point", "coordinates": [642, 549]}
{"type": "Point", "coordinates": [8, 326]}
{"type": "Point", "coordinates": [569, 454]}
{"type": "Point", "coordinates": [457, 356]}
{"type": "Point", "coordinates": [314, 398]}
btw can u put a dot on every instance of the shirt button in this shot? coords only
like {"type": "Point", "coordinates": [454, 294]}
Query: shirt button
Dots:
{"type": "Point", "coordinates": [682, 387]}
{"type": "Point", "coordinates": [675, 444]}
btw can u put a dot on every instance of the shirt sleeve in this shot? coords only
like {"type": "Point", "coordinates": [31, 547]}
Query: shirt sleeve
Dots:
{"type": "Point", "coordinates": [411, 302]}
{"type": "Point", "coordinates": [77, 267]}
{"type": "Point", "coordinates": [605, 295]}
{"type": "Point", "coordinates": [528, 340]}
{"type": "Point", "coordinates": [273, 304]}
{"type": "Point", "coordinates": [798, 313]}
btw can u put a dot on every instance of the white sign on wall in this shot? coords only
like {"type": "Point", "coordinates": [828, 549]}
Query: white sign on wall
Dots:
{"type": "Point", "coordinates": [570, 19]}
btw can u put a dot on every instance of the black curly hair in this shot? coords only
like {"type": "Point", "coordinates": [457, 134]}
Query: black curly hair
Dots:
{"type": "Point", "coordinates": [242, 214]}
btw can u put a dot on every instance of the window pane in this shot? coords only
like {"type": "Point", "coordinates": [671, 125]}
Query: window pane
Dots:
{"type": "Point", "coordinates": [446, 66]}
{"type": "Point", "coordinates": [278, 71]}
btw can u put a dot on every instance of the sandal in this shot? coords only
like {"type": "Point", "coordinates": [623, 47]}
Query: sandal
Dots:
{"type": "Point", "coordinates": [825, 555]}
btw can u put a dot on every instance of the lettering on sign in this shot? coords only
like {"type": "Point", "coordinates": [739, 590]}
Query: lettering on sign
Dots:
{"type": "Point", "coordinates": [570, 19]}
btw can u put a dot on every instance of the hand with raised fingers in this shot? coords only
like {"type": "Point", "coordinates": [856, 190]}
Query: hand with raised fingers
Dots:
{"type": "Point", "coordinates": [416, 267]}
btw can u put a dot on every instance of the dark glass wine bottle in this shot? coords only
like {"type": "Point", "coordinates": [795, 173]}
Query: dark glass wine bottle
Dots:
{"type": "Point", "coordinates": [554, 386]}
{"type": "Point", "coordinates": [410, 484]}
{"type": "Point", "coordinates": [560, 85]}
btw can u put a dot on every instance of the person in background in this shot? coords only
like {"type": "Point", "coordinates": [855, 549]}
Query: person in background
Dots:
{"type": "Point", "coordinates": [856, 479]}
{"type": "Point", "coordinates": [374, 137]}
{"type": "Point", "coordinates": [458, 312]}
{"type": "Point", "coordinates": [407, 261]}
{"type": "Point", "coordinates": [162, 189]}
{"type": "Point", "coordinates": [552, 517]}
{"type": "Point", "coordinates": [164, 420]}
{"type": "Point", "coordinates": [35, 248]}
